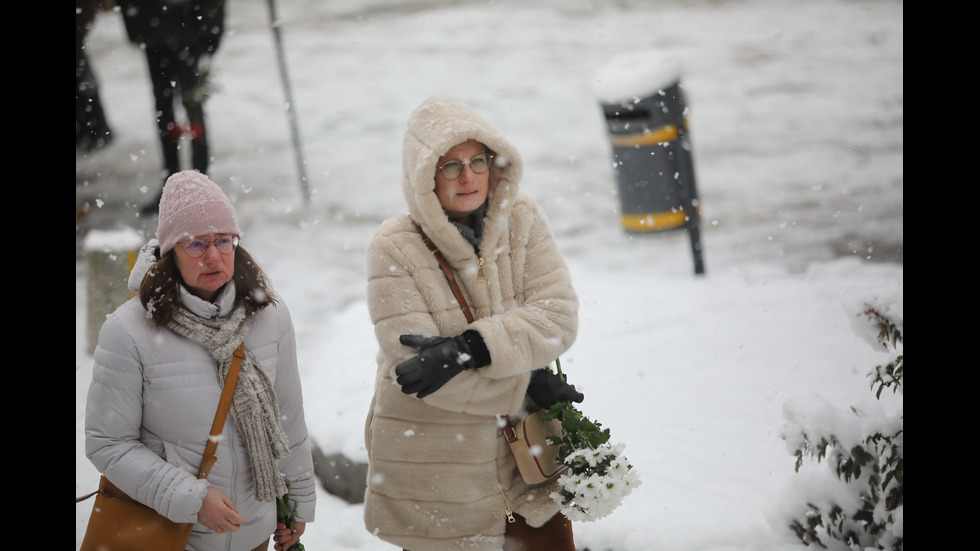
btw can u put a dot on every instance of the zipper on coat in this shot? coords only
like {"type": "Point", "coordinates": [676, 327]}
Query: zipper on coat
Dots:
{"type": "Point", "coordinates": [480, 274]}
{"type": "Point", "coordinates": [508, 512]}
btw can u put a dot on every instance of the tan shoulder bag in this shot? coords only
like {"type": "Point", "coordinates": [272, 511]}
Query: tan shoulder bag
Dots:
{"type": "Point", "coordinates": [120, 523]}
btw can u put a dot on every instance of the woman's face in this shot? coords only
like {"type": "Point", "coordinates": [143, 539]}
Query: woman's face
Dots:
{"type": "Point", "coordinates": [466, 192]}
{"type": "Point", "coordinates": [205, 274]}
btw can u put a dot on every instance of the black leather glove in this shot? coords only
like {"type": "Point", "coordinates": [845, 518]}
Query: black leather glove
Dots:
{"type": "Point", "coordinates": [439, 359]}
{"type": "Point", "coordinates": [547, 389]}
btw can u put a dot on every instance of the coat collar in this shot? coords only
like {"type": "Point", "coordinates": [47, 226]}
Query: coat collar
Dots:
{"type": "Point", "coordinates": [220, 308]}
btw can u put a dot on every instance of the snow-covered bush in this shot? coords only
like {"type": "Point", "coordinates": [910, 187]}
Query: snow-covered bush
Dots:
{"type": "Point", "coordinates": [861, 505]}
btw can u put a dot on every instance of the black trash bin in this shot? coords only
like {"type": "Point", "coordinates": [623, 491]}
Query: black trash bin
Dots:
{"type": "Point", "coordinates": [652, 157]}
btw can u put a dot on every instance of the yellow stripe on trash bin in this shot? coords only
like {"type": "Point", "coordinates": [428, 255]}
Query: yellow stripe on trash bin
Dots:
{"type": "Point", "coordinates": [655, 221]}
{"type": "Point", "coordinates": [666, 133]}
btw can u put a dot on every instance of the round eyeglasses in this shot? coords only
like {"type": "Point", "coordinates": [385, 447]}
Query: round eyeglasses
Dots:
{"type": "Point", "coordinates": [478, 164]}
{"type": "Point", "coordinates": [197, 247]}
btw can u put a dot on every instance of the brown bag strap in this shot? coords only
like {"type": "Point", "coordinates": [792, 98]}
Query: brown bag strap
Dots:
{"type": "Point", "coordinates": [444, 264]}
{"type": "Point", "coordinates": [84, 497]}
{"type": "Point", "coordinates": [223, 406]}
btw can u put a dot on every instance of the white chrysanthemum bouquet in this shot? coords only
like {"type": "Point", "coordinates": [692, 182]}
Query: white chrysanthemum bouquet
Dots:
{"type": "Point", "coordinates": [598, 476]}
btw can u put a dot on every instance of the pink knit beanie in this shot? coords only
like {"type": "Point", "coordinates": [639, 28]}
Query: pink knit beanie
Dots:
{"type": "Point", "coordinates": [192, 205]}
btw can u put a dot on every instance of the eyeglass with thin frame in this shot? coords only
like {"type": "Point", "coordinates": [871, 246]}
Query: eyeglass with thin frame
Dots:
{"type": "Point", "coordinates": [197, 247]}
{"type": "Point", "coordinates": [478, 164]}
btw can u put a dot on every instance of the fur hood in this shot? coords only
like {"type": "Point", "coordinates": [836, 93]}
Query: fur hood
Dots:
{"type": "Point", "coordinates": [426, 139]}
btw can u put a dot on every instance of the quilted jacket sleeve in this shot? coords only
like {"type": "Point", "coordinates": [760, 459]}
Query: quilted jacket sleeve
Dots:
{"type": "Point", "coordinates": [112, 430]}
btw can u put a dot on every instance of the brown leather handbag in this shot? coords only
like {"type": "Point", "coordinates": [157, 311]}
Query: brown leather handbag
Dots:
{"type": "Point", "coordinates": [120, 523]}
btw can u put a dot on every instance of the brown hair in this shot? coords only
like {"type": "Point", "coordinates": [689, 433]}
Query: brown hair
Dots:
{"type": "Point", "coordinates": [159, 295]}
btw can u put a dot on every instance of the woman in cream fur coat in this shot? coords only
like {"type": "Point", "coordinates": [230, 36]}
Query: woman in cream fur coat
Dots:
{"type": "Point", "coordinates": [441, 476]}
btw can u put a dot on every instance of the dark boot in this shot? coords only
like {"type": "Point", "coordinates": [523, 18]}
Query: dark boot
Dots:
{"type": "Point", "coordinates": [92, 130]}
{"type": "Point", "coordinates": [200, 156]}
{"type": "Point", "coordinates": [170, 143]}
{"type": "Point", "coordinates": [153, 206]}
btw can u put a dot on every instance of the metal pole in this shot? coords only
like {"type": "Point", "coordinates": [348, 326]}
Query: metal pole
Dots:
{"type": "Point", "coordinates": [290, 111]}
{"type": "Point", "coordinates": [688, 193]}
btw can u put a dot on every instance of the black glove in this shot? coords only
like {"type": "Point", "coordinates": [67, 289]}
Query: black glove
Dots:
{"type": "Point", "coordinates": [439, 359]}
{"type": "Point", "coordinates": [547, 389]}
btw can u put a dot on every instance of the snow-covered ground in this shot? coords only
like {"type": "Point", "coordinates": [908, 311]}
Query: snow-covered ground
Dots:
{"type": "Point", "coordinates": [796, 118]}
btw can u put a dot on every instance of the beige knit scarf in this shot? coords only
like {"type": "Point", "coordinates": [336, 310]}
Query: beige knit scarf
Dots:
{"type": "Point", "coordinates": [254, 407]}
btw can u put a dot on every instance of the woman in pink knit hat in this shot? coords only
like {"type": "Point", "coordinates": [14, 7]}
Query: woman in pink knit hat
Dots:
{"type": "Point", "coordinates": [160, 366]}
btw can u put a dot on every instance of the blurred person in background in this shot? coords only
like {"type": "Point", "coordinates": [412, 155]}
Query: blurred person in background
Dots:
{"type": "Point", "coordinates": [92, 131]}
{"type": "Point", "coordinates": [178, 38]}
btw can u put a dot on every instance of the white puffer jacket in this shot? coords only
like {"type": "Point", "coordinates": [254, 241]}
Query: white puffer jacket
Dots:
{"type": "Point", "coordinates": [440, 475]}
{"type": "Point", "coordinates": [149, 412]}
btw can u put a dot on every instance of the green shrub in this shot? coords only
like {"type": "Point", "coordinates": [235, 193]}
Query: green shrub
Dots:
{"type": "Point", "coordinates": [863, 508]}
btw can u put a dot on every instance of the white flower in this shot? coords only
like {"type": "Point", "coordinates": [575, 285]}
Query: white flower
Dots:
{"type": "Point", "coordinates": [596, 482]}
{"type": "Point", "coordinates": [598, 476]}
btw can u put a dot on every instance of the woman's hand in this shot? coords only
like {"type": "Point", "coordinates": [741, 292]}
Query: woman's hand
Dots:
{"type": "Point", "coordinates": [219, 513]}
{"type": "Point", "coordinates": [285, 538]}
{"type": "Point", "coordinates": [439, 359]}
{"type": "Point", "coordinates": [547, 389]}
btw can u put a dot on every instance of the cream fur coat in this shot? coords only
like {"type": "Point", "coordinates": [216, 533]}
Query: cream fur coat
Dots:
{"type": "Point", "coordinates": [440, 475]}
